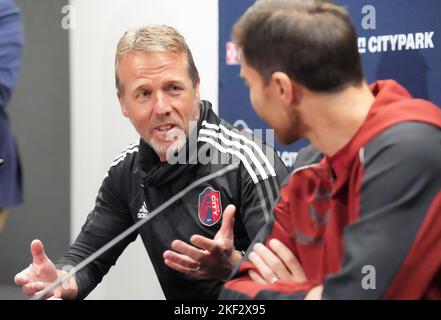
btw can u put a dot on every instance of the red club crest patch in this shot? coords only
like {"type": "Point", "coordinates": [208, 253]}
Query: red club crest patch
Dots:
{"type": "Point", "coordinates": [209, 208]}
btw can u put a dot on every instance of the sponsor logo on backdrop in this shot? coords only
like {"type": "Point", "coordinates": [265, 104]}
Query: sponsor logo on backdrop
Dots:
{"type": "Point", "coordinates": [288, 158]}
{"type": "Point", "coordinates": [396, 42]}
{"type": "Point", "coordinates": [233, 54]}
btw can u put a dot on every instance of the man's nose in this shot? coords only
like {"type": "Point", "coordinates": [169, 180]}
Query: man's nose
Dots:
{"type": "Point", "coordinates": [161, 105]}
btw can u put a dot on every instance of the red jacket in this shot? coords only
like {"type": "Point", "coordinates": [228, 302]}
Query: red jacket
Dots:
{"type": "Point", "coordinates": [375, 205]}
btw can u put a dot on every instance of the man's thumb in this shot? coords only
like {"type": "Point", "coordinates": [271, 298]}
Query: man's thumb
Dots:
{"type": "Point", "coordinates": [228, 222]}
{"type": "Point", "coordinates": [37, 250]}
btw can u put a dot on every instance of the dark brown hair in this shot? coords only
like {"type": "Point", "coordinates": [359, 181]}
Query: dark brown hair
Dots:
{"type": "Point", "coordinates": [313, 41]}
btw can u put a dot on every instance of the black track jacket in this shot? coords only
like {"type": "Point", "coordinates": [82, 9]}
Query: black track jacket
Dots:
{"type": "Point", "coordinates": [138, 182]}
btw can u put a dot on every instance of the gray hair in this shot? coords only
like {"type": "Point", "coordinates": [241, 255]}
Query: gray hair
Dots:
{"type": "Point", "coordinates": [160, 38]}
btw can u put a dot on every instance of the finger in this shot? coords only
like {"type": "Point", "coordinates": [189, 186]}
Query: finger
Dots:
{"type": "Point", "coordinates": [38, 254]}
{"type": "Point", "coordinates": [289, 259]}
{"type": "Point", "coordinates": [27, 289]}
{"type": "Point", "coordinates": [49, 296]}
{"type": "Point", "coordinates": [31, 288]}
{"type": "Point", "coordinates": [188, 250]}
{"type": "Point", "coordinates": [265, 272]}
{"type": "Point", "coordinates": [225, 232]}
{"type": "Point", "coordinates": [272, 261]}
{"type": "Point", "coordinates": [181, 268]}
{"type": "Point", "coordinates": [256, 277]}
{"type": "Point", "coordinates": [204, 243]}
{"type": "Point", "coordinates": [182, 260]}
{"type": "Point", "coordinates": [21, 278]}
{"type": "Point", "coordinates": [226, 229]}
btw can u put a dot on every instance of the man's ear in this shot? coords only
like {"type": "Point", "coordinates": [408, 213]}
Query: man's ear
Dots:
{"type": "Point", "coordinates": [282, 85]}
{"type": "Point", "coordinates": [288, 90]}
{"type": "Point", "coordinates": [197, 90]}
{"type": "Point", "coordinates": [124, 110]}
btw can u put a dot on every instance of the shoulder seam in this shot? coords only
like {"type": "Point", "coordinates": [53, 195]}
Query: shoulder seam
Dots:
{"type": "Point", "coordinates": [131, 148]}
{"type": "Point", "coordinates": [224, 135]}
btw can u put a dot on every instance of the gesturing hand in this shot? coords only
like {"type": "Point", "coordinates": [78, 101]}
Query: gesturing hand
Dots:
{"type": "Point", "coordinates": [39, 274]}
{"type": "Point", "coordinates": [206, 258]}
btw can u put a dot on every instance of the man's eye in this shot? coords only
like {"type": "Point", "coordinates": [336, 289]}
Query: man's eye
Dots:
{"type": "Point", "coordinates": [144, 93]}
{"type": "Point", "coordinates": [175, 88]}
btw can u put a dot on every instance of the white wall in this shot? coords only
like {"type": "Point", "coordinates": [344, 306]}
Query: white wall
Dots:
{"type": "Point", "coordinates": [98, 130]}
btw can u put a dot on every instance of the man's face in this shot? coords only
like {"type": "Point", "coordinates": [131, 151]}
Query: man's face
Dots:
{"type": "Point", "coordinates": [158, 97]}
{"type": "Point", "coordinates": [266, 101]}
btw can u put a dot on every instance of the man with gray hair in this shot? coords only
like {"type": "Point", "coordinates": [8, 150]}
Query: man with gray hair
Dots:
{"type": "Point", "coordinates": [194, 243]}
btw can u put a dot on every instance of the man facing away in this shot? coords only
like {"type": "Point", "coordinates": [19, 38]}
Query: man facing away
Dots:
{"type": "Point", "coordinates": [361, 217]}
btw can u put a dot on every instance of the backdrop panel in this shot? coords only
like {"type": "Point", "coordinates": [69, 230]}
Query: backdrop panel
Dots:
{"type": "Point", "coordinates": [398, 39]}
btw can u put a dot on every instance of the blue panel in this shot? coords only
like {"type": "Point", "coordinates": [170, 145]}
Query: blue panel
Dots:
{"type": "Point", "coordinates": [418, 69]}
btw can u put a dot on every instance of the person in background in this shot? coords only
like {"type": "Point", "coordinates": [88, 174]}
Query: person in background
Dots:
{"type": "Point", "coordinates": [11, 46]}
